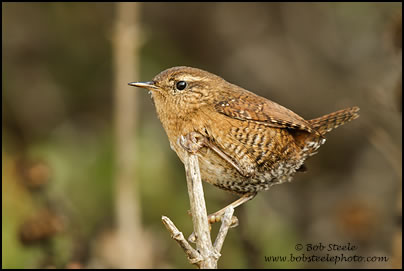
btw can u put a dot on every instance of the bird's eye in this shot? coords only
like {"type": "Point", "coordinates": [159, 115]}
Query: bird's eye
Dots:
{"type": "Point", "coordinates": [181, 85]}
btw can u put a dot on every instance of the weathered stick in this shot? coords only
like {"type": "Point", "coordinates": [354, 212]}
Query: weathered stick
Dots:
{"type": "Point", "coordinates": [193, 256]}
{"type": "Point", "coordinates": [224, 228]}
{"type": "Point", "coordinates": [206, 255]}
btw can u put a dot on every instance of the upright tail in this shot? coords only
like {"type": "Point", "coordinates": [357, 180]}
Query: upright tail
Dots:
{"type": "Point", "coordinates": [328, 122]}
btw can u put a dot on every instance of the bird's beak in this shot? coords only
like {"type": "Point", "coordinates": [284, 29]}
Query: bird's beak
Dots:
{"type": "Point", "coordinates": [148, 85]}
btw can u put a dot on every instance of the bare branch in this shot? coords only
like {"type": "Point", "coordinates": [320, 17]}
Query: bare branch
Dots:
{"type": "Point", "coordinates": [227, 221]}
{"type": "Point", "coordinates": [206, 255]}
{"type": "Point", "coordinates": [193, 256]}
{"type": "Point", "coordinates": [199, 214]}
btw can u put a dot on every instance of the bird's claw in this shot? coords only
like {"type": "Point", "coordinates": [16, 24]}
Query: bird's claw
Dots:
{"type": "Point", "coordinates": [192, 142]}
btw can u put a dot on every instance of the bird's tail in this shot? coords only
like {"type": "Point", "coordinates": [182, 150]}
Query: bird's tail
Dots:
{"type": "Point", "coordinates": [330, 121]}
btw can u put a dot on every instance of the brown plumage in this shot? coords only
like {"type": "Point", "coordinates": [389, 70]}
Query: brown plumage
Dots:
{"type": "Point", "coordinates": [331, 121]}
{"type": "Point", "coordinates": [249, 142]}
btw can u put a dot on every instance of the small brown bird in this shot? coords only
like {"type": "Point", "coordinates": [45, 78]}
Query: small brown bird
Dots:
{"type": "Point", "coordinates": [248, 143]}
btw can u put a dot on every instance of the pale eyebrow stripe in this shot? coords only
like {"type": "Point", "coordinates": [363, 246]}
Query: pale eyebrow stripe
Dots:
{"type": "Point", "coordinates": [192, 78]}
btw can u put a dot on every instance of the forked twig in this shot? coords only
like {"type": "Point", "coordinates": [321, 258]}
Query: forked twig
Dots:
{"type": "Point", "coordinates": [205, 255]}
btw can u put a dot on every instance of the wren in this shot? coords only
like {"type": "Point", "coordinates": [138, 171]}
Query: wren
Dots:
{"type": "Point", "coordinates": [248, 143]}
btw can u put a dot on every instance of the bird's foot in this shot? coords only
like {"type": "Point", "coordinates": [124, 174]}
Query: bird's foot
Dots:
{"type": "Point", "coordinates": [192, 142]}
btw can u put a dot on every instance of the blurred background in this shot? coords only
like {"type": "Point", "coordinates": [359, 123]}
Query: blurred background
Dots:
{"type": "Point", "coordinates": [86, 166]}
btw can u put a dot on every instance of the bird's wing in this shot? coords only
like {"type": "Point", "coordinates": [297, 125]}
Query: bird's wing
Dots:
{"type": "Point", "coordinates": [248, 106]}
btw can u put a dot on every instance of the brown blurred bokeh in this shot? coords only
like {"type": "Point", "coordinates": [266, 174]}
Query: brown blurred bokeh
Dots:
{"type": "Point", "coordinates": [314, 58]}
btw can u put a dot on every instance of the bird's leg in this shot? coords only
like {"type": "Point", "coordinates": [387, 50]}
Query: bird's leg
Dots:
{"type": "Point", "coordinates": [194, 141]}
{"type": "Point", "coordinates": [246, 172]}
{"type": "Point", "coordinates": [217, 216]}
